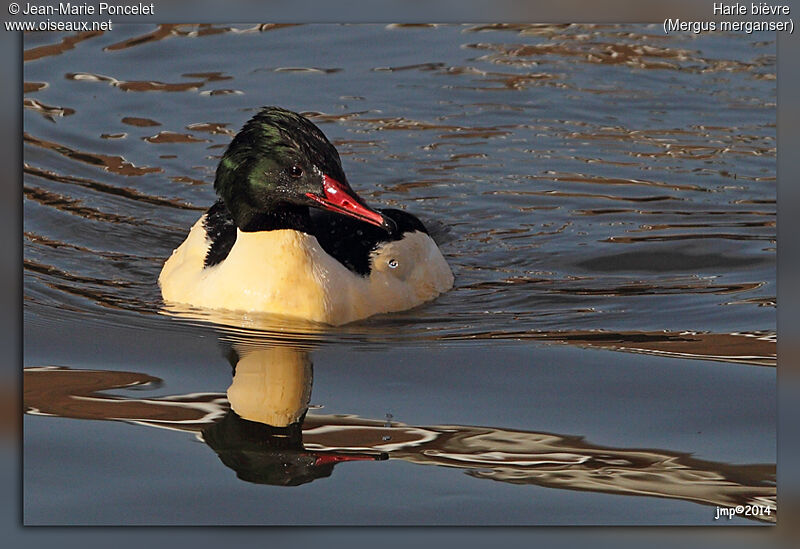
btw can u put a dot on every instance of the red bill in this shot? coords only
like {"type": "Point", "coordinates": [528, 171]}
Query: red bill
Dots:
{"type": "Point", "coordinates": [340, 198]}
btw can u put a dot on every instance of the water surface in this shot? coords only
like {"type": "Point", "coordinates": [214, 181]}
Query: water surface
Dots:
{"type": "Point", "coordinates": [605, 195]}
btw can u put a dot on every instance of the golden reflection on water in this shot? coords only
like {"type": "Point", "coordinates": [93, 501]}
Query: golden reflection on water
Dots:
{"type": "Point", "coordinates": [115, 164]}
{"type": "Point", "coordinates": [67, 43]}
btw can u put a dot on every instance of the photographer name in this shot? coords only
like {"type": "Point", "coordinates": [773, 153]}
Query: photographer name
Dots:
{"type": "Point", "coordinates": [103, 8]}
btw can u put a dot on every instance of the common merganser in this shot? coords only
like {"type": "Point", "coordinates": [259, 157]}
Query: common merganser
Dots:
{"type": "Point", "coordinates": [289, 236]}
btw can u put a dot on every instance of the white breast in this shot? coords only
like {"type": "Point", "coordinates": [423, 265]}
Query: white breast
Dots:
{"type": "Point", "coordinates": [287, 272]}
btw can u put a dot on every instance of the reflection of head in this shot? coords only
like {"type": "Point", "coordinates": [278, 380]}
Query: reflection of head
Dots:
{"type": "Point", "coordinates": [271, 455]}
{"type": "Point", "coordinates": [263, 454]}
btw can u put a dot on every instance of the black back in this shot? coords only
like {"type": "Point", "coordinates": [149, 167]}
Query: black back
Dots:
{"type": "Point", "coordinates": [221, 230]}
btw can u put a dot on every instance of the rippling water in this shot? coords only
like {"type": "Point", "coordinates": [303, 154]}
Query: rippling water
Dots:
{"type": "Point", "coordinates": [606, 198]}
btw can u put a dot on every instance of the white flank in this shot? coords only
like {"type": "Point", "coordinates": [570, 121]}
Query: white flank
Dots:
{"type": "Point", "coordinates": [287, 272]}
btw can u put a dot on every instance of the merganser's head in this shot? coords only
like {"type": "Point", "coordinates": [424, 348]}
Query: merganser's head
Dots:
{"type": "Point", "coordinates": [280, 164]}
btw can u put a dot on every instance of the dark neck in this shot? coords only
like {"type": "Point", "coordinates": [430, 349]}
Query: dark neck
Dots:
{"type": "Point", "coordinates": [285, 216]}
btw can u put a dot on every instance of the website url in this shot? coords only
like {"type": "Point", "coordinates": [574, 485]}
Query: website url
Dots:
{"type": "Point", "coordinates": [65, 26]}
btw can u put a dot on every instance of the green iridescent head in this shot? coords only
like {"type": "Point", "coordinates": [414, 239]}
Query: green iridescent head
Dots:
{"type": "Point", "coordinates": [274, 163]}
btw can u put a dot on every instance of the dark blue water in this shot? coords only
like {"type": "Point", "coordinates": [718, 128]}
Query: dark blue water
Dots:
{"type": "Point", "coordinates": [607, 354]}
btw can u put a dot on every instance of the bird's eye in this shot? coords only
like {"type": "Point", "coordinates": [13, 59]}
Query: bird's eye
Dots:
{"type": "Point", "coordinates": [296, 171]}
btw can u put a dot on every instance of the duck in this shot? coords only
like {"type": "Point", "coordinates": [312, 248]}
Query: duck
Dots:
{"type": "Point", "coordinates": [289, 236]}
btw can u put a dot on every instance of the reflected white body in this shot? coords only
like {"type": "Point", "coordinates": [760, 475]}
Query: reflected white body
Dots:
{"type": "Point", "coordinates": [287, 272]}
{"type": "Point", "coordinates": [271, 385]}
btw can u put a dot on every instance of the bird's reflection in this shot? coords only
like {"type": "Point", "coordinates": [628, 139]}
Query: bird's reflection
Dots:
{"type": "Point", "coordinates": [262, 430]}
{"type": "Point", "coordinates": [261, 435]}
{"type": "Point", "coordinates": [271, 385]}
